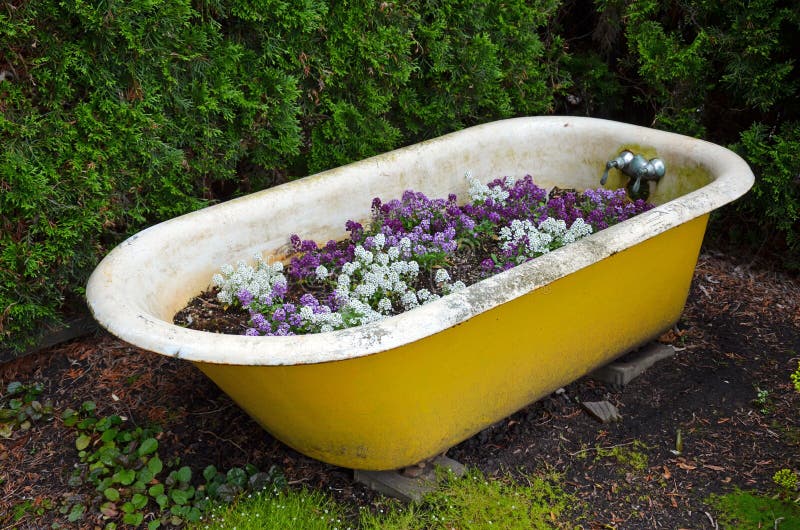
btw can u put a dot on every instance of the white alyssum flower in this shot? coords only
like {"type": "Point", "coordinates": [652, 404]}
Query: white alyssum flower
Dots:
{"type": "Point", "coordinates": [321, 272]}
{"type": "Point", "coordinates": [479, 191]}
{"type": "Point", "coordinates": [442, 276]}
{"type": "Point", "coordinates": [531, 240]}
{"type": "Point", "coordinates": [578, 230]}
{"type": "Point", "coordinates": [378, 276]}
{"type": "Point", "coordinates": [366, 314]}
{"type": "Point", "coordinates": [258, 280]}
{"type": "Point", "coordinates": [523, 233]}
{"type": "Point", "coordinates": [455, 286]}
{"type": "Point", "coordinates": [409, 300]}
{"type": "Point", "coordinates": [350, 267]}
{"type": "Point", "coordinates": [384, 305]}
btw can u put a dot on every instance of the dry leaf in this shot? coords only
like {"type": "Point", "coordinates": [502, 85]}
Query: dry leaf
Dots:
{"type": "Point", "coordinates": [687, 467]}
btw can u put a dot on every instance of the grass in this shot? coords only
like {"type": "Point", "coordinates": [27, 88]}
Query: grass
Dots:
{"type": "Point", "coordinates": [472, 502]}
{"type": "Point", "coordinates": [277, 508]}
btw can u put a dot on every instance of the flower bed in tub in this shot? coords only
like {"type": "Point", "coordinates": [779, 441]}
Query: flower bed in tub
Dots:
{"type": "Point", "coordinates": [394, 392]}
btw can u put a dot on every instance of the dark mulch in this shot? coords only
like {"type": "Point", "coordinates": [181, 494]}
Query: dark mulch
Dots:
{"type": "Point", "coordinates": [740, 331]}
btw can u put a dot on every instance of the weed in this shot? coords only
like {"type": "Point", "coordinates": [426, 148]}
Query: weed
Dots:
{"type": "Point", "coordinates": [762, 401]}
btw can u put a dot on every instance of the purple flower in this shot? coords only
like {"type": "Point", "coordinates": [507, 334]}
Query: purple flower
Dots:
{"type": "Point", "coordinates": [309, 299]}
{"type": "Point", "coordinates": [279, 290]}
{"type": "Point", "coordinates": [283, 330]}
{"type": "Point", "coordinates": [260, 322]}
{"type": "Point", "coordinates": [356, 230]}
{"type": "Point", "coordinates": [245, 297]}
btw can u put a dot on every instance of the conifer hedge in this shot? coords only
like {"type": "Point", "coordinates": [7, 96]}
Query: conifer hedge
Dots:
{"type": "Point", "coordinates": [120, 114]}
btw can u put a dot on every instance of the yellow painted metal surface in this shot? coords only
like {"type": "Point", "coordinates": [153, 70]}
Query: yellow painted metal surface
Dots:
{"type": "Point", "coordinates": [397, 407]}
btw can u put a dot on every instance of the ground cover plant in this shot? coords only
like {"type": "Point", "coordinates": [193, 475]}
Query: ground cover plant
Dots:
{"type": "Point", "coordinates": [121, 462]}
{"type": "Point", "coordinates": [414, 250]}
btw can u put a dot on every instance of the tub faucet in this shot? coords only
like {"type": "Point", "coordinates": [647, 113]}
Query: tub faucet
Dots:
{"type": "Point", "coordinates": [636, 167]}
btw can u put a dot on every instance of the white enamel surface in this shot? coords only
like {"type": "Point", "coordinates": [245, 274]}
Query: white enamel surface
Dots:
{"type": "Point", "coordinates": [138, 287]}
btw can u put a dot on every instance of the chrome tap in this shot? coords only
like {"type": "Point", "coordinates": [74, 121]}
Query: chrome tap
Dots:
{"type": "Point", "coordinates": [636, 167]}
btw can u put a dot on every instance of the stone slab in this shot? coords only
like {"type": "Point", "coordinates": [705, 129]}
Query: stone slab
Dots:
{"type": "Point", "coordinates": [407, 488]}
{"type": "Point", "coordinates": [630, 366]}
{"type": "Point", "coordinates": [603, 411]}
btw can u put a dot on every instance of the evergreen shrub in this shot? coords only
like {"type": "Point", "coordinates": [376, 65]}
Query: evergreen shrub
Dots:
{"type": "Point", "coordinates": [723, 71]}
{"type": "Point", "coordinates": [117, 115]}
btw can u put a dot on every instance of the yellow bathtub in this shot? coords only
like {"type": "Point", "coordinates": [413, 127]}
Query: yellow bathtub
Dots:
{"type": "Point", "coordinates": [392, 393]}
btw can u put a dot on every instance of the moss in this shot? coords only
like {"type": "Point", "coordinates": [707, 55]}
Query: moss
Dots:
{"type": "Point", "coordinates": [630, 457]}
{"type": "Point", "coordinates": [743, 509]}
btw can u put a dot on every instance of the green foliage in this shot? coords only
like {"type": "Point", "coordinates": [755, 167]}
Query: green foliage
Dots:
{"type": "Point", "coordinates": [742, 509]}
{"type": "Point", "coordinates": [30, 508]}
{"type": "Point", "coordinates": [133, 485]}
{"type": "Point", "coordinates": [20, 408]}
{"type": "Point", "coordinates": [700, 67]}
{"type": "Point", "coordinates": [775, 198]}
{"type": "Point", "coordinates": [119, 115]}
{"type": "Point", "coordinates": [630, 457]}
{"type": "Point", "coordinates": [725, 71]}
{"type": "Point", "coordinates": [117, 118]}
{"type": "Point", "coordinates": [387, 74]}
{"type": "Point", "coordinates": [795, 376]}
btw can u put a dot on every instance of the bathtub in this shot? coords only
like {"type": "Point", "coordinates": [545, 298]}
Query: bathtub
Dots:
{"type": "Point", "coordinates": [393, 393]}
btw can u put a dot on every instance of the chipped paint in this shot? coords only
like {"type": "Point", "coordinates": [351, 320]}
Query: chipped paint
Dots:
{"type": "Point", "coordinates": [394, 392]}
